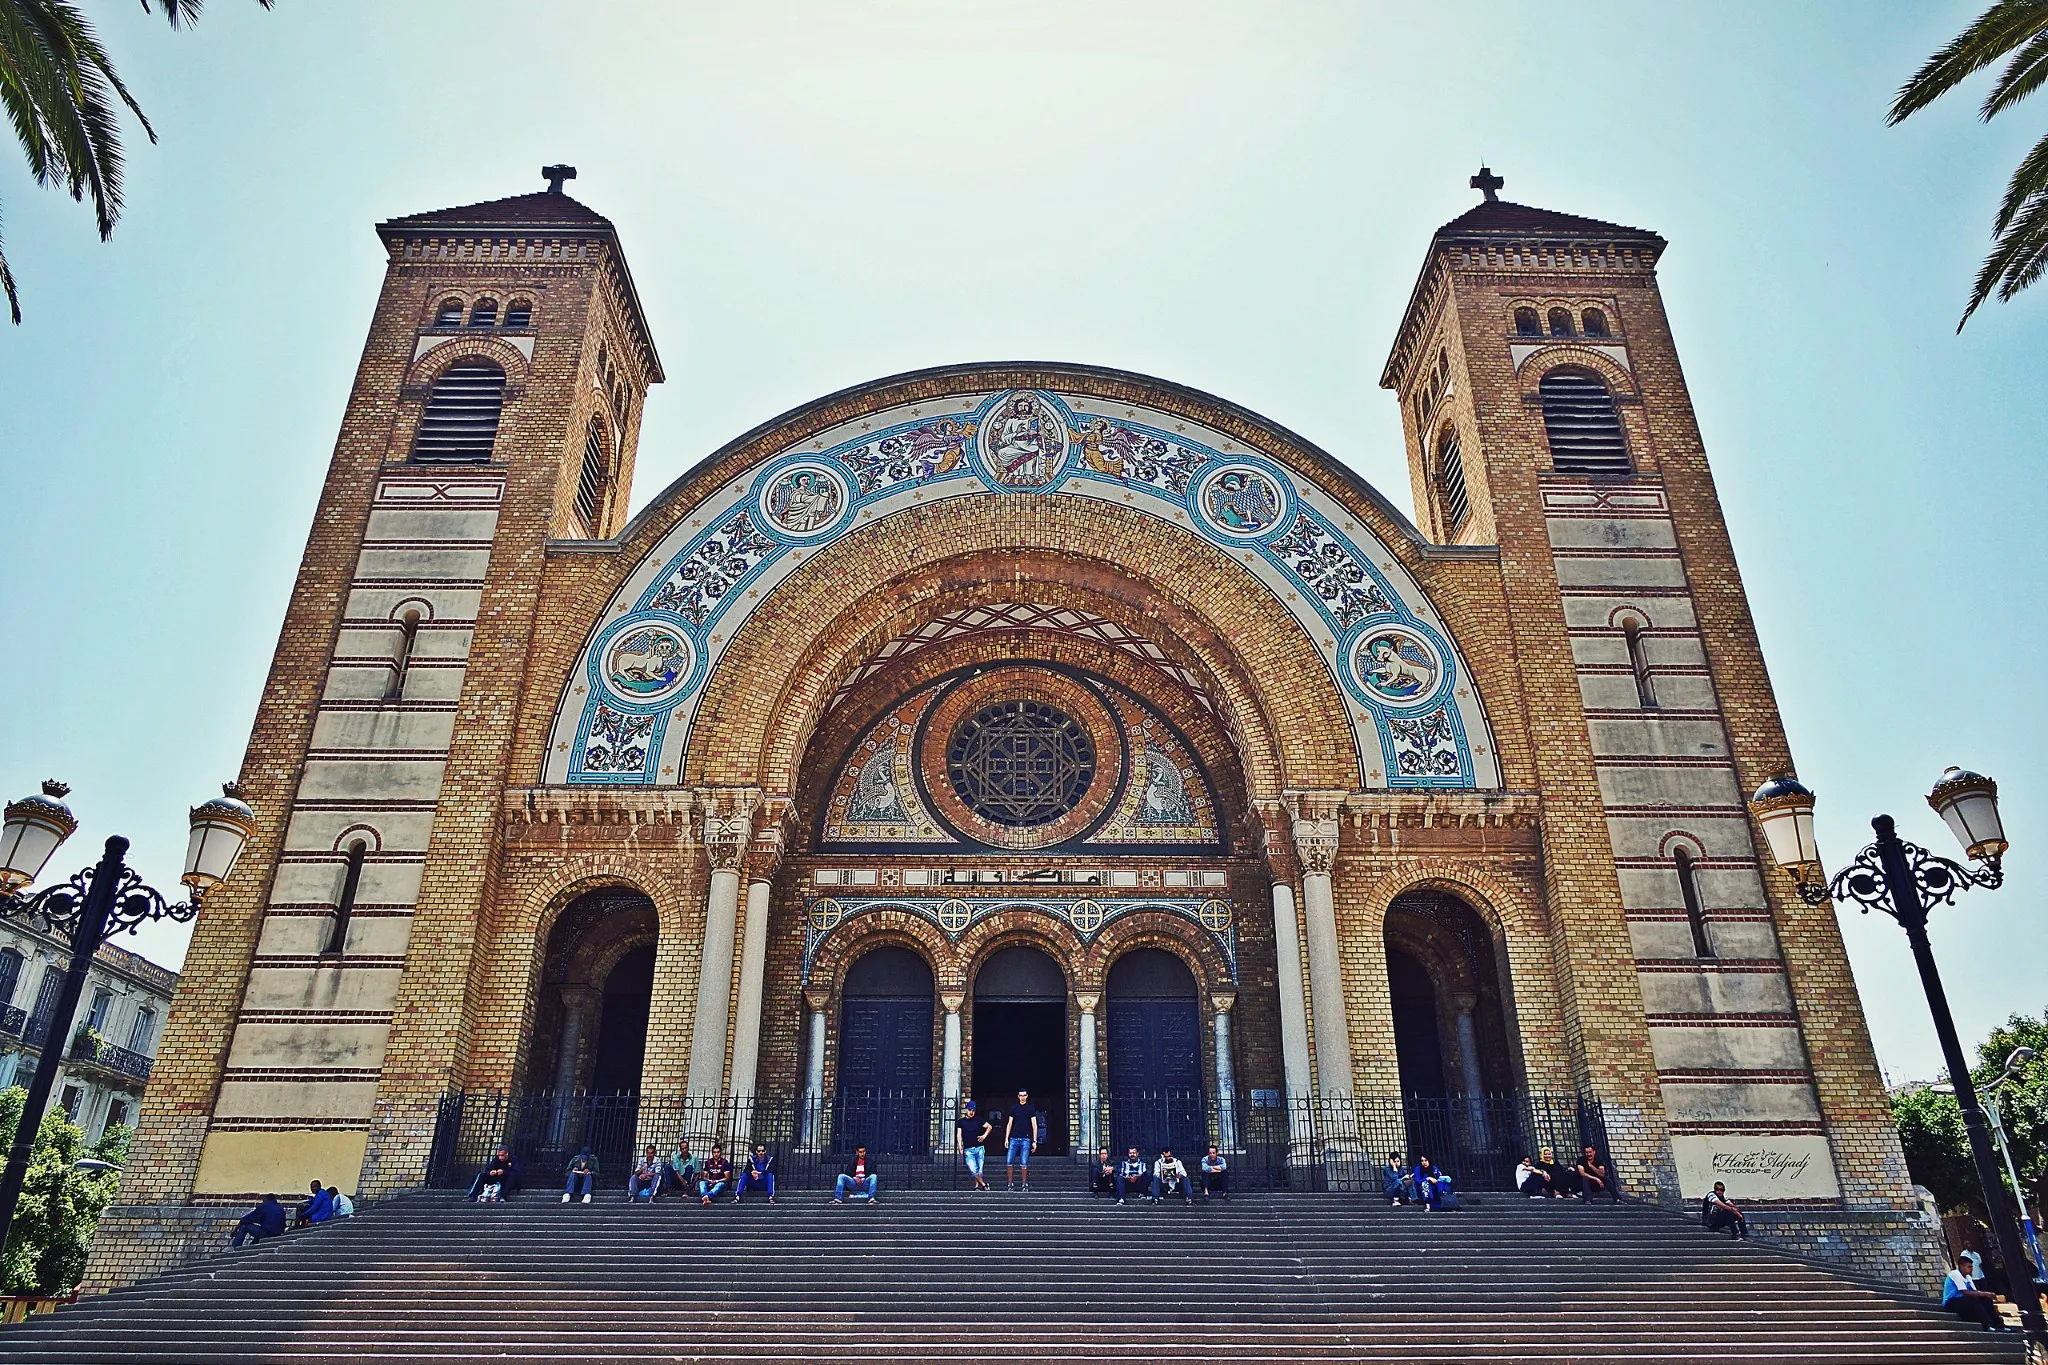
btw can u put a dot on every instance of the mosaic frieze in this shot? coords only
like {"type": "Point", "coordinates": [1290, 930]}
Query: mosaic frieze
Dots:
{"type": "Point", "coordinates": [1414, 717]}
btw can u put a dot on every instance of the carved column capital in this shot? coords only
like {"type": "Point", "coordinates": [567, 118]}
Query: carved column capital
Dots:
{"type": "Point", "coordinates": [1318, 823]}
{"type": "Point", "coordinates": [728, 815]}
{"type": "Point", "coordinates": [1222, 1001]}
{"type": "Point", "coordinates": [771, 838]}
{"type": "Point", "coordinates": [1089, 1001]}
{"type": "Point", "coordinates": [817, 998]}
{"type": "Point", "coordinates": [952, 1000]}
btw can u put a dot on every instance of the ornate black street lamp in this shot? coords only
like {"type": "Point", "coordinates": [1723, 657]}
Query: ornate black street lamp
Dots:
{"type": "Point", "coordinates": [1904, 881]}
{"type": "Point", "coordinates": [88, 910]}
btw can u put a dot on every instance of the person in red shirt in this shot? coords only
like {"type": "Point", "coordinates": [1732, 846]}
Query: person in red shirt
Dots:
{"type": "Point", "coordinates": [858, 1179]}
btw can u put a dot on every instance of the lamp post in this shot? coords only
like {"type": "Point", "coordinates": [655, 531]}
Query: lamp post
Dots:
{"type": "Point", "coordinates": [88, 910]}
{"type": "Point", "coordinates": [2014, 1064]}
{"type": "Point", "coordinates": [1905, 881]}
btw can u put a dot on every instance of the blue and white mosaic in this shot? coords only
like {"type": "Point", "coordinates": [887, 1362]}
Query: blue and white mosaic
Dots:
{"type": "Point", "coordinates": [627, 715]}
{"type": "Point", "coordinates": [955, 915]}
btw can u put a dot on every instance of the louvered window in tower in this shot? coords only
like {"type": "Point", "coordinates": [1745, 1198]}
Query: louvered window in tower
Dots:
{"type": "Point", "coordinates": [1560, 322]}
{"type": "Point", "coordinates": [1528, 323]}
{"type": "Point", "coordinates": [1584, 429]}
{"type": "Point", "coordinates": [1450, 482]}
{"type": "Point", "coordinates": [449, 314]}
{"type": "Point", "coordinates": [596, 475]}
{"type": "Point", "coordinates": [519, 313]}
{"type": "Point", "coordinates": [485, 314]}
{"type": "Point", "coordinates": [460, 424]}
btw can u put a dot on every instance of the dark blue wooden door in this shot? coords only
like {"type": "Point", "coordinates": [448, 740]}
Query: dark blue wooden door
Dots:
{"type": "Point", "coordinates": [885, 1074]}
{"type": "Point", "coordinates": [1155, 1077]}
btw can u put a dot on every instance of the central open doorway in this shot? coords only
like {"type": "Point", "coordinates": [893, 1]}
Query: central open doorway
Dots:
{"type": "Point", "coordinates": [1020, 1041]}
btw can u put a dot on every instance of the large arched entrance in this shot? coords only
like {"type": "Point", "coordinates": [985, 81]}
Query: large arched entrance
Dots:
{"type": "Point", "coordinates": [1020, 1038]}
{"type": "Point", "coordinates": [885, 1054]}
{"type": "Point", "coordinates": [1155, 1054]}
{"type": "Point", "coordinates": [1450, 1029]}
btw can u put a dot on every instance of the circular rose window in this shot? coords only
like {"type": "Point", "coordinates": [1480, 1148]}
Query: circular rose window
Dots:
{"type": "Point", "coordinates": [1020, 763]}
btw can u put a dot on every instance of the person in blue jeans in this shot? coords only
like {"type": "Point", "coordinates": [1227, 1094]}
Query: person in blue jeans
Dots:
{"type": "Point", "coordinates": [758, 1174]}
{"type": "Point", "coordinates": [1021, 1133]}
{"type": "Point", "coordinates": [716, 1176]}
{"type": "Point", "coordinates": [582, 1175]}
{"type": "Point", "coordinates": [1432, 1187]}
{"type": "Point", "coordinates": [858, 1180]}
{"type": "Point", "coordinates": [975, 1132]}
{"type": "Point", "coordinates": [267, 1219]}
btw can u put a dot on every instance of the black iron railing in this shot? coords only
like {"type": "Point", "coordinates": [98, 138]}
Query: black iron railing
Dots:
{"type": "Point", "coordinates": [12, 1020]}
{"type": "Point", "coordinates": [1273, 1143]}
{"type": "Point", "coordinates": [101, 1053]}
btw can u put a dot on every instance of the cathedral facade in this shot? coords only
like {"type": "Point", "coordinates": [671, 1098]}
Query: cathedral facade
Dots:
{"type": "Point", "coordinates": [1016, 723]}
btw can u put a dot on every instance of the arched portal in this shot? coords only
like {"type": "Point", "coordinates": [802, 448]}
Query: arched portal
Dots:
{"type": "Point", "coordinates": [1155, 1053]}
{"type": "Point", "coordinates": [885, 1053]}
{"type": "Point", "coordinates": [1449, 998]}
{"type": "Point", "coordinates": [622, 1024]}
{"type": "Point", "coordinates": [1020, 1039]}
{"type": "Point", "coordinates": [589, 1029]}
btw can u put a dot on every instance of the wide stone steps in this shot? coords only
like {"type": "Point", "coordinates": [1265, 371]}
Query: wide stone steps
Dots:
{"type": "Point", "coordinates": [1052, 1275]}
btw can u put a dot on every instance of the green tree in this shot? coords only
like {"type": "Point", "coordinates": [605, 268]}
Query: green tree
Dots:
{"type": "Point", "coordinates": [60, 1205]}
{"type": "Point", "coordinates": [1930, 1128]}
{"type": "Point", "coordinates": [2022, 1103]}
{"type": "Point", "coordinates": [63, 96]}
{"type": "Point", "coordinates": [2017, 29]}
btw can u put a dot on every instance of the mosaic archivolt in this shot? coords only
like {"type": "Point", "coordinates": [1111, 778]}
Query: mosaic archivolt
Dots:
{"type": "Point", "coordinates": [627, 714]}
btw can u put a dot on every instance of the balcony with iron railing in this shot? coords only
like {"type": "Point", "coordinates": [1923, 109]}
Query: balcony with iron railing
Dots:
{"type": "Point", "coordinates": [90, 1049]}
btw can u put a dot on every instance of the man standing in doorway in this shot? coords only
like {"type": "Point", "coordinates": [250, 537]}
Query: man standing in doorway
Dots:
{"type": "Point", "coordinates": [1021, 1132]}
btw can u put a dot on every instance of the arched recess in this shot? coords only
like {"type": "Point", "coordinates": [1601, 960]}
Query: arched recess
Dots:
{"type": "Point", "coordinates": [1020, 1038]}
{"type": "Point", "coordinates": [589, 1025]}
{"type": "Point", "coordinates": [1245, 525]}
{"type": "Point", "coordinates": [1449, 997]}
{"type": "Point", "coordinates": [1153, 1016]}
{"type": "Point", "coordinates": [886, 1018]}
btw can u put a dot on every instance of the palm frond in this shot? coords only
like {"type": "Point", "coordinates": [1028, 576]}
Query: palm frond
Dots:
{"type": "Point", "coordinates": [7, 287]}
{"type": "Point", "coordinates": [2007, 25]}
{"type": "Point", "coordinates": [2017, 258]}
{"type": "Point", "coordinates": [177, 11]}
{"type": "Point", "coordinates": [2019, 79]}
{"type": "Point", "coordinates": [2029, 181]}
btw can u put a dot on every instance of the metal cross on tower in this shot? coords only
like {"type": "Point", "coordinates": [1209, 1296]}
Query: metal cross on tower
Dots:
{"type": "Point", "coordinates": [557, 174]}
{"type": "Point", "coordinates": [1486, 182]}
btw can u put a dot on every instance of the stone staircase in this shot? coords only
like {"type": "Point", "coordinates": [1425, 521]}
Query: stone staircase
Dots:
{"type": "Point", "coordinates": [961, 1277]}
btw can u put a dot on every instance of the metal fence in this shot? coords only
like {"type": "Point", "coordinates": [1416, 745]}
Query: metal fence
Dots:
{"type": "Point", "coordinates": [1273, 1143]}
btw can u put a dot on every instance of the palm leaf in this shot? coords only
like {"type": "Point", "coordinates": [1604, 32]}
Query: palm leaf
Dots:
{"type": "Point", "coordinates": [2017, 259]}
{"type": "Point", "coordinates": [2007, 25]}
{"type": "Point", "coordinates": [2020, 79]}
{"type": "Point", "coordinates": [7, 287]}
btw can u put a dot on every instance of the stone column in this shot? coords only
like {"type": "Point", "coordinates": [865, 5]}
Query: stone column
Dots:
{"type": "Point", "coordinates": [728, 824]}
{"type": "Point", "coordinates": [578, 1003]}
{"type": "Point", "coordinates": [812, 1130]}
{"type": "Point", "coordinates": [1315, 843]}
{"type": "Point", "coordinates": [1226, 1073]}
{"type": "Point", "coordinates": [949, 1065]}
{"type": "Point", "coordinates": [1087, 1077]}
{"type": "Point", "coordinates": [1293, 997]}
{"type": "Point", "coordinates": [746, 1031]}
{"type": "Point", "coordinates": [1468, 1069]}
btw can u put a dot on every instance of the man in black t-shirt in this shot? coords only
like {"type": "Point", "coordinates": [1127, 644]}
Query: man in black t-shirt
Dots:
{"type": "Point", "coordinates": [1021, 1132]}
{"type": "Point", "coordinates": [975, 1132]}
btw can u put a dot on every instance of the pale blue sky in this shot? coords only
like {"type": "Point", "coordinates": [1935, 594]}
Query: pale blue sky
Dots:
{"type": "Point", "coordinates": [1233, 197]}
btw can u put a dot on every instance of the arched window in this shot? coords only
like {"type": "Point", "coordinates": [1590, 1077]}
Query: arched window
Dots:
{"type": "Point", "coordinates": [449, 314]}
{"type": "Point", "coordinates": [1450, 482]}
{"type": "Point", "coordinates": [1695, 912]}
{"type": "Point", "coordinates": [10, 975]}
{"type": "Point", "coordinates": [102, 1006]}
{"type": "Point", "coordinates": [1639, 662]}
{"type": "Point", "coordinates": [460, 424]}
{"type": "Point", "coordinates": [1594, 321]}
{"type": "Point", "coordinates": [485, 314]}
{"type": "Point", "coordinates": [351, 878]}
{"type": "Point", "coordinates": [1584, 429]}
{"type": "Point", "coordinates": [401, 659]}
{"type": "Point", "coordinates": [1528, 323]}
{"type": "Point", "coordinates": [142, 1033]}
{"type": "Point", "coordinates": [1560, 322]}
{"type": "Point", "coordinates": [519, 313]}
{"type": "Point", "coordinates": [595, 478]}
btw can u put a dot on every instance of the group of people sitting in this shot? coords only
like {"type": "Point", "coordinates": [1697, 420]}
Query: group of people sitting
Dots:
{"type": "Point", "coordinates": [322, 1204]}
{"type": "Point", "coordinates": [1164, 1177]}
{"type": "Point", "coordinates": [681, 1172]}
{"type": "Point", "coordinates": [1545, 1178]}
{"type": "Point", "coordinates": [1425, 1184]}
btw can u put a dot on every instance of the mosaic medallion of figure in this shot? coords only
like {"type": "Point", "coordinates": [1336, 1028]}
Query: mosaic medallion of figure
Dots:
{"type": "Point", "coordinates": [1396, 665]}
{"type": "Point", "coordinates": [1241, 501]}
{"type": "Point", "coordinates": [1024, 442]}
{"type": "Point", "coordinates": [647, 663]}
{"type": "Point", "coordinates": [804, 500]}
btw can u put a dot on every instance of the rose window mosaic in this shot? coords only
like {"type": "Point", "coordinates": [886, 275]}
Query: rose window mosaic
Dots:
{"type": "Point", "coordinates": [1020, 763]}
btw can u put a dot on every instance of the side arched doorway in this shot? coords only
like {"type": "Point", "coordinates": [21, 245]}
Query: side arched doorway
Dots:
{"type": "Point", "coordinates": [885, 1054]}
{"type": "Point", "coordinates": [1020, 1040]}
{"type": "Point", "coordinates": [1155, 1055]}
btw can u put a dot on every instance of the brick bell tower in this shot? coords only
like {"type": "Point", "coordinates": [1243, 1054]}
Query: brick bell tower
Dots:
{"type": "Point", "coordinates": [496, 407]}
{"type": "Point", "coordinates": [1546, 414]}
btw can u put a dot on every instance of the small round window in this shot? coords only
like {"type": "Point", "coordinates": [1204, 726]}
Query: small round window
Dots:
{"type": "Point", "coordinates": [1020, 763]}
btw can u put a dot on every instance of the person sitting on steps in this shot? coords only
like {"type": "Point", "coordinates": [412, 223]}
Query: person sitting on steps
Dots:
{"type": "Point", "coordinates": [1169, 1177]}
{"type": "Point", "coordinates": [683, 1168]}
{"type": "Point", "coordinates": [759, 1174]}
{"type": "Point", "coordinates": [645, 1182]}
{"type": "Point", "coordinates": [1215, 1173]}
{"type": "Point", "coordinates": [1564, 1180]}
{"type": "Point", "coordinates": [1595, 1179]}
{"type": "Point", "coordinates": [717, 1175]}
{"type": "Point", "coordinates": [1960, 1295]}
{"type": "Point", "coordinates": [1432, 1187]}
{"type": "Point", "coordinates": [857, 1181]}
{"type": "Point", "coordinates": [344, 1207]}
{"type": "Point", "coordinates": [1133, 1176]}
{"type": "Point", "coordinates": [1021, 1134]}
{"type": "Point", "coordinates": [1533, 1180]}
{"type": "Point", "coordinates": [1394, 1184]}
{"type": "Point", "coordinates": [509, 1185]}
{"type": "Point", "coordinates": [497, 1174]}
{"type": "Point", "coordinates": [1102, 1175]}
{"type": "Point", "coordinates": [974, 1132]}
{"type": "Point", "coordinates": [1720, 1214]}
{"type": "Point", "coordinates": [267, 1219]}
{"type": "Point", "coordinates": [318, 1208]}
{"type": "Point", "coordinates": [582, 1176]}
